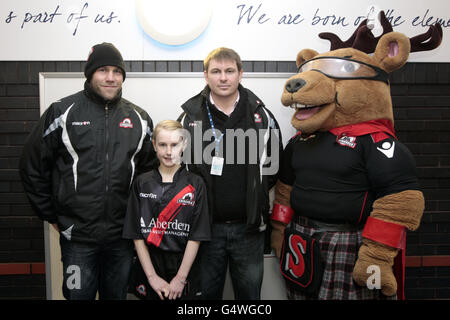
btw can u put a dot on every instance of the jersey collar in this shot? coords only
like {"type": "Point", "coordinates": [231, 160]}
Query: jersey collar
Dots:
{"type": "Point", "coordinates": [363, 128]}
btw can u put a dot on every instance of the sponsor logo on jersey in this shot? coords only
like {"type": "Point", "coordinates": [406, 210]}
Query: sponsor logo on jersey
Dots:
{"type": "Point", "coordinates": [258, 118]}
{"type": "Point", "coordinates": [166, 218]}
{"type": "Point", "coordinates": [126, 123]}
{"type": "Point", "coordinates": [163, 225]}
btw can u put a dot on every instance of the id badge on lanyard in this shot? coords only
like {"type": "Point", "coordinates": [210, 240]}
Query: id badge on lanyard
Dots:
{"type": "Point", "coordinates": [217, 162]}
{"type": "Point", "coordinates": [217, 166]}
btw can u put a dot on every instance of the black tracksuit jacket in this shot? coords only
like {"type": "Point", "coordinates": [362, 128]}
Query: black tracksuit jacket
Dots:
{"type": "Point", "coordinates": [80, 160]}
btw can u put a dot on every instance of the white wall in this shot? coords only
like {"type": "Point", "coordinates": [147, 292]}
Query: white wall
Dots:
{"type": "Point", "coordinates": [264, 30]}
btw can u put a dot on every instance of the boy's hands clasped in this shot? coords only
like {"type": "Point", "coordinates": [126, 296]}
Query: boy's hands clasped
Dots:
{"type": "Point", "coordinates": [176, 287]}
{"type": "Point", "coordinates": [160, 286]}
{"type": "Point", "coordinates": [171, 291]}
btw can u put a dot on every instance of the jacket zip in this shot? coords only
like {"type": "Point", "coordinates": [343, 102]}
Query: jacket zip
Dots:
{"type": "Point", "coordinates": [107, 171]}
{"type": "Point", "coordinates": [106, 148]}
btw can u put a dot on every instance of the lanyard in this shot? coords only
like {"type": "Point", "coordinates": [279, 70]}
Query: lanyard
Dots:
{"type": "Point", "coordinates": [217, 140]}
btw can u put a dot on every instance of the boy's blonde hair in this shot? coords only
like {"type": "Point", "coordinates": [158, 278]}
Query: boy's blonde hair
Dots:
{"type": "Point", "coordinates": [167, 125]}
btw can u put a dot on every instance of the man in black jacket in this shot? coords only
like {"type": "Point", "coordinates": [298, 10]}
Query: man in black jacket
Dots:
{"type": "Point", "coordinates": [235, 148]}
{"type": "Point", "coordinates": [77, 168]}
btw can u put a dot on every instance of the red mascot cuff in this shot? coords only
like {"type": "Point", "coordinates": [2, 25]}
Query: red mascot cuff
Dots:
{"type": "Point", "coordinates": [387, 233]}
{"type": "Point", "coordinates": [282, 213]}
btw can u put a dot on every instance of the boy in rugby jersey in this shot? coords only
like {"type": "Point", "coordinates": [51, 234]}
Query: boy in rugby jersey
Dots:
{"type": "Point", "coordinates": [167, 217]}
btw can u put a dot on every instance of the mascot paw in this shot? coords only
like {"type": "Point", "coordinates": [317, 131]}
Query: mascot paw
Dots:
{"type": "Point", "coordinates": [373, 268]}
{"type": "Point", "coordinates": [374, 275]}
{"type": "Point", "coordinates": [276, 238]}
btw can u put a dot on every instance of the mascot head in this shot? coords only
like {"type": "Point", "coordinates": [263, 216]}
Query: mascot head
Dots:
{"type": "Point", "coordinates": [348, 85]}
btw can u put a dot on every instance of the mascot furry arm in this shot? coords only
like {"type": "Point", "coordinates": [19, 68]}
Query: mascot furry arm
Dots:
{"type": "Point", "coordinates": [327, 99]}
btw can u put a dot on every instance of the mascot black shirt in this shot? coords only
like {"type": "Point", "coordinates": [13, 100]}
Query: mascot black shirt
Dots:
{"type": "Point", "coordinates": [167, 215]}
{"type": "Point", "coordinates": [336, 179]}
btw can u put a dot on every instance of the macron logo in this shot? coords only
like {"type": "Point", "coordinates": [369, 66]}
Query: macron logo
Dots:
{"type": "Point", "coordinates": [147, 195]}
{"type": "Point", "coordinates": [81, 123]}
{"type": "Point", "coordinates": [387, 149]}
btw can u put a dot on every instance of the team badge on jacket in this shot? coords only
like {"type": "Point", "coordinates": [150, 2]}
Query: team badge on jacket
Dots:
{"type": "Point", "coordinates": [187, 200]}
{"type": "Point", "coordinates": [126, 123]}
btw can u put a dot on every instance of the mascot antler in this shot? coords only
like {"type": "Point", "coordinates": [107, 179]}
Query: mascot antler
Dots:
{"type": "Point", "coordinates": [428, 40]}
{"type": "Point", "coordinates": [364, 40]}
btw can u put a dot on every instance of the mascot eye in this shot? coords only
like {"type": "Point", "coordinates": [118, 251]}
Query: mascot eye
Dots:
{"type": "Point", "coordinates": [350, 67]}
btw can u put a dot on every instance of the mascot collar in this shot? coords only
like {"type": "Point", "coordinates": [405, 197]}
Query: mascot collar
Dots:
{"type": "Point", "coordinates": [363, 128]}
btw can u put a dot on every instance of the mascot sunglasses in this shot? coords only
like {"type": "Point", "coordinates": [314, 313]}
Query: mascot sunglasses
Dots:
{"type": "Point", "coordinates": [344, 68]}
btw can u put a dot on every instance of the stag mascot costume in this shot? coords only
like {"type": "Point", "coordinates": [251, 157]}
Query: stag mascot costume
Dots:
{"type": "Point", "coordinates": [347, 189]}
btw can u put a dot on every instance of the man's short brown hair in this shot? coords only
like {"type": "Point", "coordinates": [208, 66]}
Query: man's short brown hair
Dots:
{"type": "Point", "coordinates": [222, 53]}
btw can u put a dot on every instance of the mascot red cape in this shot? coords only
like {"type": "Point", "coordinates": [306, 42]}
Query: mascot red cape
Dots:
{"type": "Point", "coordinates": [347, 189]}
